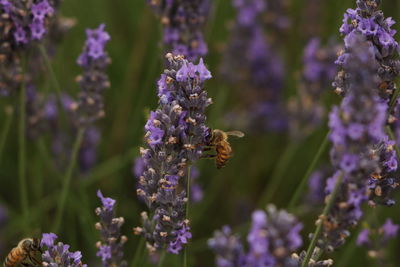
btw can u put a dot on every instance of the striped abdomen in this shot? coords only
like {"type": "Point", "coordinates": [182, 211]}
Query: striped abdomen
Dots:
{"type": "Point", "coordinates": [224, 151]}
{"type": "Point", "coordinates": [14, 257]}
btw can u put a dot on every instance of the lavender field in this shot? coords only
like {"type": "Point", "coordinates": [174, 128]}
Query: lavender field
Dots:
{"type": "Point", "coordinates": [228, 133]}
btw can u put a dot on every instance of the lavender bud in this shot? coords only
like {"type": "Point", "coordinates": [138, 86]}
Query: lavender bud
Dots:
{"type": "Point", "coordinates": [183, 22]}
{"type": "Point", "coordinates": [94, 61]}
{"type": "Point", "coordinates": [59, 254]}
{"type": "Point", "coordinates": [179, 117]}
{"type": "Point", "coordinates": [111, 247]}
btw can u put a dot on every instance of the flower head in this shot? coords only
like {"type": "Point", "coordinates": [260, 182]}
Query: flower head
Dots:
{"type": "Point", "coordinates": [183, 23]}
{"type": "Point", "coordinates": [175, 137]}
{"type": "Point", "coordinates": [110, 248]}
{"type": "Point", "coordinates": [94, 61]}
{"type": "Point", "coordinates": [58, 255]}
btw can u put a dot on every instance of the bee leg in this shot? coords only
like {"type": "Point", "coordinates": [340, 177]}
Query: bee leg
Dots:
{"type": "Point", "coordinates": [208, 156]}
{"type": "Point", "coordinates": [34, 260]}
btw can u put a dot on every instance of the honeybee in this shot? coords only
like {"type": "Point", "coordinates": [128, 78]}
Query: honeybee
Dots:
{"type": "Point", "coordinates": [219, 141]}
{"type": "Point", "coordinates": [26, 249]}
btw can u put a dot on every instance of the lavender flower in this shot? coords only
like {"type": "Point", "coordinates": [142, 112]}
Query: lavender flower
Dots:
{"type": "Point", "coordinates": [42, 119]}
{"type": "Point", "coordinates": [23, 23]}
{"type": "Point", "coordinates": [273, 236]}
{"type": "Point", "coordinates": [228, 248]}
{"type": "Point", "coordinates": [94, 61]}
{"type": "Point", "coordinates": [306, 110]}
{"type": "Point", "coordinates": [356, 128]}
{"type": "Point", "coordinates": [58, 255]}
{"type": "Point", "coordinates": [253, 65]}
{"type": "Point", "coordinates": [316, 185]}
{"type": "Point", "coordinates": [383, 183]}
{"type": "Point", "coordinates": [111, 247]}
{"type": "Point", "coordinates": [183, 22]}
{"type": "Point", "coordinates": [375, 240]}
{"type": "Point", "coordinates": [175, 137]}
{"type": "Point", "coordinates": [370, 22]}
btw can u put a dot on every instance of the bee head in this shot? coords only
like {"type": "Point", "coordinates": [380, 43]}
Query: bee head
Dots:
{"type": "Point", "coordinates": [30, 244]}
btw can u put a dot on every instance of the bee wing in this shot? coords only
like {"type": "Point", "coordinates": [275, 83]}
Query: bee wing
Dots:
{"type": "Point", "coordinates": [235, 133]}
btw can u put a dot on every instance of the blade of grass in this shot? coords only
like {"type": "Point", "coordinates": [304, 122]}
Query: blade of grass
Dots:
{"type": "Point", "coordinates": [22, 154]}
{"type": "Point", "coordinates": [67, 180]}
{"type": "Point", "coordinates": [185, 256]}
{"type": "Point", "coordinates": [276, 177]}
{"type": "Point", "coordinates": [325, 212]}
{"type": "Point", "coordinates": [304, 180]}
{"type": "Point", "coordinates": [9, 112]}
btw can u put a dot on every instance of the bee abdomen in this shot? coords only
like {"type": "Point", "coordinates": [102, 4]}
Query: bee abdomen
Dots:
{"type": "Point", "coordinates": [223, 155]}
{"type": "Point", "coordinates": [15, 256]}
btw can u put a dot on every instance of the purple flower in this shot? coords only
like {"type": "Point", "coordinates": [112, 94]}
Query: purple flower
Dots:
{"type": "Point", "coordinates": [383, 183]}
{"type": "Point", "coordinates": [273, 236]}
{"type": "Point", "coordinates": [377, 239]}
{"type": "Point", "coordinates": [352, 155]}
{"type": "Point", "coordinates": [94, 61]}
{"type": "Point", "coordinates": [228, 248]}
{"type": "Point", "coordinates": [390, 229]}
{"type": "Point", "coordinates": [110, 248]}
{"type": "Point", "coordinates": [183, 23]}
{"type": "Point", "coordinates": [370, 22]}
{"type": "Point", "coordinates": [175, 137]}
{"type": "Point", "coordinates": [255, 67]}
{"type": "Point", "coordinates": [363, 238]}
{"type": "Point", "coordinates": [58, 255]}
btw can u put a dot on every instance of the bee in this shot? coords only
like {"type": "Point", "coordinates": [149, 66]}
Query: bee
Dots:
{"type": "Point", "coordinates": [219, 141]}
{"type": "Point", "coordinates": [26, 249]}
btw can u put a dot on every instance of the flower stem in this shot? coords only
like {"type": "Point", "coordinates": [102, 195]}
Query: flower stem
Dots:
{"type": "Point", "coordinates": [54, 80]}
{"type": "Point", "coordinates": [276, 177]}
{"type": "Point", "coordinates": [162, 258]}
{"type": "Point", "coordinates": [393, 100]}
{"type": "Point", "coordinates": [187, 211]}
{"type": "Point", "coordinates": [6, 129]}
{"type": "Point", "coordinates": [139, 252]}
{"type": "Point", "coordinates": [67, 180]}
{"type": "Point", "coordinates": [304, 180]}
{"type": "Point", "coordinates": [22, 155]}
{"type": "Point", "coordinates": [328, 205]}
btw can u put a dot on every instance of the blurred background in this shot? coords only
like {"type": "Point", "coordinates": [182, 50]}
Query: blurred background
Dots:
{"type": "Point", "coordinates": [229, 194]}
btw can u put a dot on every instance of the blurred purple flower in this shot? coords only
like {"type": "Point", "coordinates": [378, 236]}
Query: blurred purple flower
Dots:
{"type": "Point", "coordinates": [252, 64]}
{"type": "Point", "coordinates": [94, 61]}
{"type": "Point", "coordinates": [376, 240]}
{"type": "Point", "coordinates": [273, 236]}
{"type": "Point", "coordinates": [227, 248]}
{"type": "Point", "coordinates": [183, 23]}
{"type": "Point", "coordinates": [353, 158]}
{"type": "Point", "coordinates": [306, 110]}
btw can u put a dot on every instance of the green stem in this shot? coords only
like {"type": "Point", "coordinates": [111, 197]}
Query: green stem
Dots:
{"type": "Point", "coordinates": [325, 212]}
{"type": "Point", "coordinates": [187, 211]}
{"type": "Point", "coordinates": [54, 80]}
{"type": "Point", "coordinates": [393, 100]}
{"type": "Point", "coordinates": [67, 180]}
{"type": "Point", "coordinates": [109, 167]}
{"type": "Point", "coordinates": [22, 156]}
{"type": "Point", "coordinates": [276, 177]}
{"type": "Point", "coordinates": [6, 129]}
{"type": "Point", "coordinates": [139, 252]}
{"type": "Point", "coordinates": [304, 180]}
{"type": "Point", "coordinates": [162, 258]}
